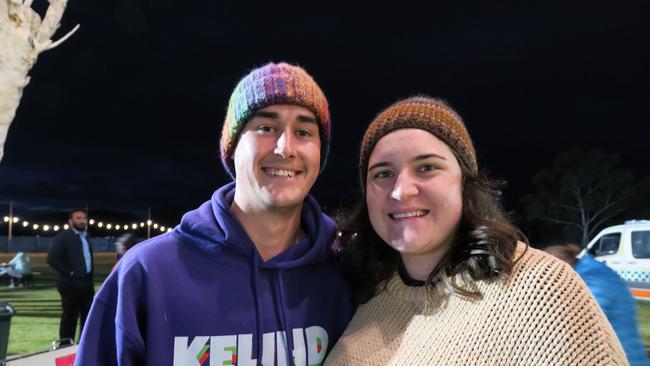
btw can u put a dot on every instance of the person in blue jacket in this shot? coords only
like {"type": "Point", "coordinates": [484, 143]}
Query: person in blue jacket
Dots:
{"type": "Point", "coordinates": [247, 278]}
{"type": "Point", "coordinates": [613, 296]}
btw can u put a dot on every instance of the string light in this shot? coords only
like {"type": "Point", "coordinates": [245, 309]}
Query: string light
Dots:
{"type": "Point", "coordinates": [45, 227]}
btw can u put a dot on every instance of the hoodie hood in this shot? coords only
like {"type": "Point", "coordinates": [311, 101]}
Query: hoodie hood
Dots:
{"type": "Point", "coordinates": [213, 228]}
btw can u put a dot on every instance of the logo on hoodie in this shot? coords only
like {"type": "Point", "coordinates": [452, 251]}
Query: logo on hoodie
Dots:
{"type": "Point", "coordinates": [309, 348]}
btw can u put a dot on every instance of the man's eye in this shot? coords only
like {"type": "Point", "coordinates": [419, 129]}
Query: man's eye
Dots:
{"type": "Point", "coordinates": [265, 128]}
{"type": "Point", "coordinates": [304, 133]}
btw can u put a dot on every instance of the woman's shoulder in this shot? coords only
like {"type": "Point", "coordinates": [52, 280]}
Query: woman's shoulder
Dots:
{"type": "Point", "coordinates": [532, 264]}
{"type": "Point", "coordinates": [541, 279]}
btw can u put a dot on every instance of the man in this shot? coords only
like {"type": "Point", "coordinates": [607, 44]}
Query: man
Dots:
{"type": "Point", "coordinates": [246, 278]}
{"type": "Point", "coordinates": [71, 256]}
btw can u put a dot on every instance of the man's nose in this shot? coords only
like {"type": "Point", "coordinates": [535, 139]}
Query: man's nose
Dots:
{"type": "Point", "coordinates": [285, 146]}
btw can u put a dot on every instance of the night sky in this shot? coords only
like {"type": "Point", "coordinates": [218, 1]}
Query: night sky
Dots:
{"type": "Point", "coordinates": [127, 113]}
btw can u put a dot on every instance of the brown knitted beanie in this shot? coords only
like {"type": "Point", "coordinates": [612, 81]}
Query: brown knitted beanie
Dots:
{"type": "Point", "coordinates": [425, 113]}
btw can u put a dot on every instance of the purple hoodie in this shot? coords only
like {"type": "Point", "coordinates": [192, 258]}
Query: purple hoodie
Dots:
{"type": "Point", "coordinates": [201, 295]}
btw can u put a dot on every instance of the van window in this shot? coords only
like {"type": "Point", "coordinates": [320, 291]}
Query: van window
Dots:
{"type": "Point", "coordinates": [607, 244]}
{"type": "Point", "coordinates": [641, 244]}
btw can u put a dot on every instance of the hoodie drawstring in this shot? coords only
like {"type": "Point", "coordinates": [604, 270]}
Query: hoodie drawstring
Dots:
{"type": "Point", "coordinates": [258, 312]}
{"type": "Point", "coordinates": [287, 330]}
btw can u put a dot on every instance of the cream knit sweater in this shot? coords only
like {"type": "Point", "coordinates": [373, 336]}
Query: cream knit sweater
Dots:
{"type": "Point", "coordinates": [543, 315]}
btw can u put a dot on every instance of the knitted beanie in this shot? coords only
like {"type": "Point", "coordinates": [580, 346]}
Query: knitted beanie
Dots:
{"type": "Point", "coordinates": [424, 113]}
{"type": "Point", "coordinates": [268, 85]}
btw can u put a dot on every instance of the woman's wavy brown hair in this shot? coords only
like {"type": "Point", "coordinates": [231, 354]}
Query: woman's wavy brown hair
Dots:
{"type": "Point", "coordinates": [483, 247]}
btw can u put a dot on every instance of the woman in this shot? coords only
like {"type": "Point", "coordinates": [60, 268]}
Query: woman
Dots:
{"type": "Point", "coordinates": [441, 275]}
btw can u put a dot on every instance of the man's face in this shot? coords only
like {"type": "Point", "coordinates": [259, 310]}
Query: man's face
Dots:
{"type": "Point", "coordinates": [78, 220]}
{"type": "Point", "coordinates": [277, 158]}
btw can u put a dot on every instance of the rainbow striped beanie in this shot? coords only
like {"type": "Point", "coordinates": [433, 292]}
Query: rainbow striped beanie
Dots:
{"type": "Point", "coordinates": [268, 85]}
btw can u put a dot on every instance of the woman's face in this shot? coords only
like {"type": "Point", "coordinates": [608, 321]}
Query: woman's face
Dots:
{"type": "Point", "coordinates": [414, 193]}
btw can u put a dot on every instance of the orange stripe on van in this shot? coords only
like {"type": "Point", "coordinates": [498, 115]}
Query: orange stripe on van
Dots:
{"type": "Point", "coordinates": [641, 293]}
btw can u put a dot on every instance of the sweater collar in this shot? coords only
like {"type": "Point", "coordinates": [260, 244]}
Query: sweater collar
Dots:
{"type": "Point", "coordinates": [405, 293]}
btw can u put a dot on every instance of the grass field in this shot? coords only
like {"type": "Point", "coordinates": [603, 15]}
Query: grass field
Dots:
{"type": "Point", "coordinates": [36, 323]}
{"type": "Point", "coordinates": [38, 308]}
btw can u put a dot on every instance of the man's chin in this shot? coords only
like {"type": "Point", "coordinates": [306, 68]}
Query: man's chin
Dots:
{"type": "Point", "coordinates": [284, 203]}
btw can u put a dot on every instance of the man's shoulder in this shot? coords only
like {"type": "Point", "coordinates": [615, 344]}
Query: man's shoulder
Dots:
{"type": "Point", "coordinates": [65, 234]}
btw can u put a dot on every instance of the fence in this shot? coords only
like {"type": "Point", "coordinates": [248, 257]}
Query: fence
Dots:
{"type": "Point", "coordinates": [35, 244]}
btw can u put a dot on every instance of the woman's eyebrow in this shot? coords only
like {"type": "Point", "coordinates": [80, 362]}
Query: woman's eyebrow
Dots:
{"type": "Point", "coordinates": [378, 165]}
{"type": "Point", "coordinates": [429, 156]}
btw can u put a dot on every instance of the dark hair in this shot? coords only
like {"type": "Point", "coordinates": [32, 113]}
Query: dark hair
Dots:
{"type": "Point", "coordinates": [483, 248]}
{"type": "Point", "coordinates": [77, 210]}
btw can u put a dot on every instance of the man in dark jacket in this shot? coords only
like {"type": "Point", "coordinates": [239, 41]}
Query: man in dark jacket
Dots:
{"type": "Point", "coordinates": [71, 256]}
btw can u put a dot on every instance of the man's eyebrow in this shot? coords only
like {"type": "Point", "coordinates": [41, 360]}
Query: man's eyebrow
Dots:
{"type": "Point", "coordinates": [378, 165]}
{"type": "Point", "coordinates": [308, 119]}
{"type": "Point", "coordinates": [266, 114]}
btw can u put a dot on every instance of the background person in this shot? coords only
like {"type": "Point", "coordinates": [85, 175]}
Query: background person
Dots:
{"type": "Point", "coordinates": [16, 269]}
{"type": "Point", "coordinates": [71, 256]}
{"type": "Point", "coordinates": [442, 275]}
{"type": "Point", "coordinates": [124, 243]}
{"type": "Point", "coordinates": [613, 296]}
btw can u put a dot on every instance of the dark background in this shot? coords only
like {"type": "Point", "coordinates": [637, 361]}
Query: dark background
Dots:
{"type": "Point", "coordinates": [127, 113]}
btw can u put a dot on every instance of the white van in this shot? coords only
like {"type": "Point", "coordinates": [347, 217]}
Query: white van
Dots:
{"type": "Point", "coordinates": [626, 249]}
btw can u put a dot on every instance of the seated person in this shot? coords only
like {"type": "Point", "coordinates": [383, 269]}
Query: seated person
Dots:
{"type": "Point", "coordinates": [17, 267]}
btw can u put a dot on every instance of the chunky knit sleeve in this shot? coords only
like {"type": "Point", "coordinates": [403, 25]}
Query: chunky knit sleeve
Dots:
{"type": "Point", "coordinates": [561, 318]}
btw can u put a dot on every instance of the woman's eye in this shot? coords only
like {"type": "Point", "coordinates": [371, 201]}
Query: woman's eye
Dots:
{"type": "Point", "coordinates": [427, 168]}
{"type": "Point", "coordinates": [383, 174]}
